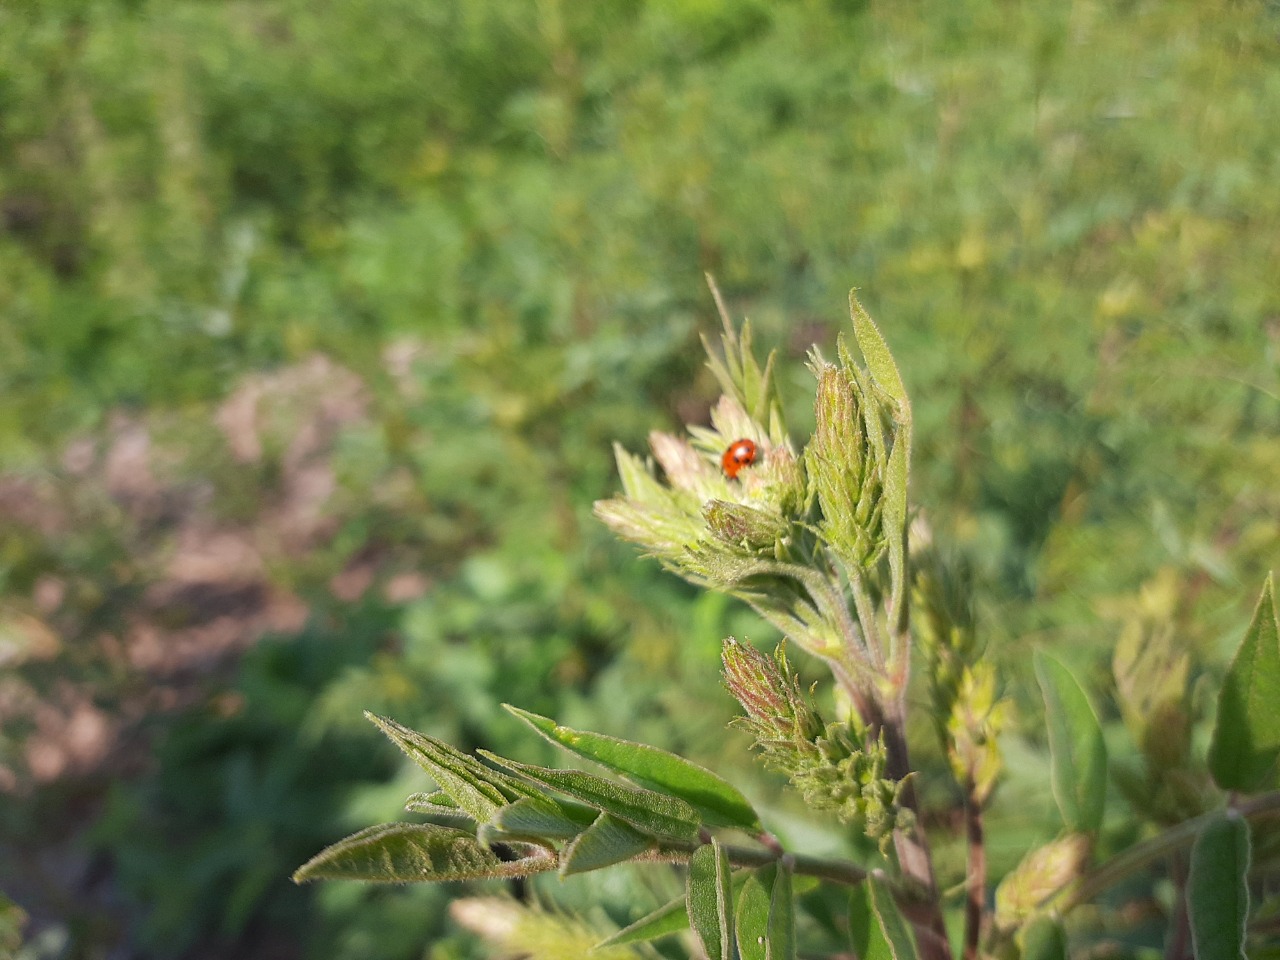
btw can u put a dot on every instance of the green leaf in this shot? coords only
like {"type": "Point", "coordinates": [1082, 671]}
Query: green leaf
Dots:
{"type": "Point", "coordinates": [477, 790]}
{"type": "Point", "coordinates": [646, 810]}
{"type": "Point", "coordinates": [894, 513]}
{"type": "Point", "coordinates": [1217, 894]}
{"type": "Point", "coordinates": [604, 843]}
{"type": "Point", "coordinates": [417, 853]}
{"type": "Point", "coordinates": [877, 930]}
{"type": "Point", "coordinates": [1044, 939]}
{"type": "Point", "coordinates": [752, 913]}
{"type": "Point", "coordinates": [438, 806]}
{"type": "Point", "coordinates": [1079, 755]}
{"type": "Point", "coordinates": [781, 936]}
{"type": "Point", "coordinates": [1246, 738]}
{"type": "Point", "coordinates": [719, 803]}
{"type": "Point", "coordinates": [884, 373]}
{"type": "Point", "coordinates": [880, 362]}
{"type": "Point", "coordinates": [666, 920]}
{"type": "Point", "coordinates": [710, 897]}
{"type": "Point", "coordinates": [540, 818]}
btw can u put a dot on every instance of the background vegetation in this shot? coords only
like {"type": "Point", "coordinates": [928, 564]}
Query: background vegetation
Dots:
{"type": "Point", "coordinates": [317, 320]}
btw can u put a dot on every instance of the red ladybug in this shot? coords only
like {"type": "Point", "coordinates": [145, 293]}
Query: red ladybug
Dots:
{"type": "Point", "coordinates": [741, 453]}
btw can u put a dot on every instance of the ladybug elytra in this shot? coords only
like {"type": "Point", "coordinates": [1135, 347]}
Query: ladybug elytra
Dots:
{"type": "Point", "coordinates": [741, 453]}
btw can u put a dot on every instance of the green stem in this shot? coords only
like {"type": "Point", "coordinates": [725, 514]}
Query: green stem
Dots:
{"type": "Point", "coordinates": [1136, 858]}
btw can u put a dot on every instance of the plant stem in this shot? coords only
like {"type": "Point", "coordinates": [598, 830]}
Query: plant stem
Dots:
{"type": "Point", "coordinates": [1176, 948]}
{"type": "Point", "coordinates": [912, 845]}
{"type": "Point", "coordinates": [1126, 864]}
{"type": "Point", "coordinates": [976, 879]}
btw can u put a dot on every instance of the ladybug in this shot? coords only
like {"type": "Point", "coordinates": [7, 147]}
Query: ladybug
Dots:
{"type": "Point", "coordinates": [741, 453]}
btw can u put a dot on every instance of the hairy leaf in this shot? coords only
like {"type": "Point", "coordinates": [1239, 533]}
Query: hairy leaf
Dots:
{"type": "Point", "coordinates": [719, 803]}
{"type": "Point", "coordinates": [604, 843]}
{"type": "Point", "coordinates": [1246, 737]}
{"type": "Point", "coordinates": [1217, 894]}
{"type": "Point", "coordinates": [478, 790]}
{"type": "Point", "coordinates": [417, 853]}
{"type": "Point", "coordinates": [710, 896]}
{"type": "Point", "coordinates": [542, 817]}
{"type": "Point", "coordinates": [1079, 755]}
{"type": "Point", "coordinates": [647, 810]}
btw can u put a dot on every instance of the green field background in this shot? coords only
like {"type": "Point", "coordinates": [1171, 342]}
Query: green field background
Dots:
{"type": "Point", "coordinates": [318, 321]}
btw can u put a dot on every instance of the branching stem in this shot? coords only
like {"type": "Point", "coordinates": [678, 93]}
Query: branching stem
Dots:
{"type": "Point", "coordinates": [1126, 864]}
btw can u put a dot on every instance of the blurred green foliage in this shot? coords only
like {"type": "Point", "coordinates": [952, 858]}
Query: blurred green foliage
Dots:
{"type": "Point", "coordinates": [496, 215]}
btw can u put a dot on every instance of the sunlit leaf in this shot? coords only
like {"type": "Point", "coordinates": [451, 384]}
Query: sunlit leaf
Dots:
{"type": "Point", "coordinates": [538, 818]}
{"type": "Point", "coordinates": [720, 803]}
{"type": "Point", "coordinates": [606, 842]}
{"type": "Point", "coordinates": [417, 853]}
{"type": "Point", "coordinates": [478, 790]}
{"type": "Point", "coordinates": [646, 810]}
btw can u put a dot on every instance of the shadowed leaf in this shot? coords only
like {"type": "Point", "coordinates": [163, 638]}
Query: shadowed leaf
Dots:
{"type": "Point", "coordinates": [710, 897]}
{"type": "Point", "coordinates": [666, 920]}
{"type": "Point", "coordinates": [1078, 753]}
{"type": "Point", "coordinates": [1246, 737]}
{"type": "Point", "coordinates": [1217, 894]}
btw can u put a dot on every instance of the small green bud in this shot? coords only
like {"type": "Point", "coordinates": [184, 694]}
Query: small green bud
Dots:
{"type": "Point", "coordinates": [977, 718]}
{"type": "Point", "coordinates": [1041, 874]}
{"type": "Point", "coordinates": [745, 526]}
{"type": "Point", "coordinates": [834, 766]}
{"type": "Point", "coordinates": [777, 708]}
{"type": "Point", "coordinates": [844, 470]}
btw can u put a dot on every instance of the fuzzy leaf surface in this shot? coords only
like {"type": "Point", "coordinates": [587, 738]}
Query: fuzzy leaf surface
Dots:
{"type": "Point", "coordinates": [479, 791]}
{"type": "Point", "coordinates": [1246, 737]}
{"type": "Point", "coordinates": [540, 818]}
{"type": "Point", "coordinates": [1078, 753]}
{"type": "Point", "coordinates": [710, 896]}
{"type": "Point", "coordinates": [651, 812]}
{"type": "Point", "coordinates": [719, 802]}
{"type": "Point", "coordinates": [416, 853]}
{"type": "Point", "coordinates": [604, 843]}
{"type": "Point", "coordinates": [1217, 892]}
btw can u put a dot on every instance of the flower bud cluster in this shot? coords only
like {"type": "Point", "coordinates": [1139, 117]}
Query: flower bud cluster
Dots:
{"type": "Point", "coordinates": [836, 766]}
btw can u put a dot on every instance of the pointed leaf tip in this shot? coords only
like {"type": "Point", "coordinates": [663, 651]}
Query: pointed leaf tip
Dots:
{"type": "Point", "coordinates": [417, 853]}
{"type": "Point", "coordinates": [717, 801]}
{"type": "Point", "coordinates": [1246, 737]}
{"type": "Point", "coordinates": [1077, 750]}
